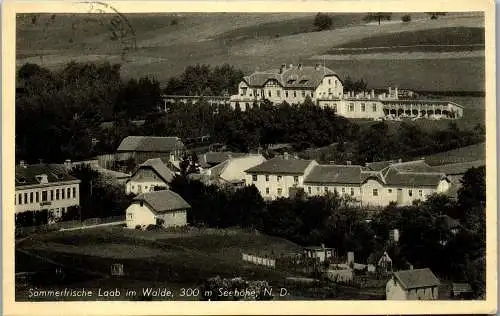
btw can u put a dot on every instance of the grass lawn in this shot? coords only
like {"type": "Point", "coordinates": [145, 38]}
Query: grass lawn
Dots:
{"type": "Point", "coordinates": [464, 154]}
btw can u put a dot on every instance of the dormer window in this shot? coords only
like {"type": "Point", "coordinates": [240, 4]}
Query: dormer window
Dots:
{"type": "Point", "coordinates": [303, 81]}
{"type": "Point", "coordinates": [42, 178]}
{"type": "Point", "coordinates": [291, 81]}
{"type": "Point", "coordinates": [21, 180]}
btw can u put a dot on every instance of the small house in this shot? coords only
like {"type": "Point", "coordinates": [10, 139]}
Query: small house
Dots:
{"type": "Point", "coordinates": [461, 291]}
{"type": "Point", "coordinates": [321, 253]}
{"type": "Point", "coordinates": [164, 208]}
{"type": "Point", "coordinates": [418, 284]}
{"type": "Point", "coordinates": [142, 148]}
{"type": "Point", "coordinates": [149, 176]}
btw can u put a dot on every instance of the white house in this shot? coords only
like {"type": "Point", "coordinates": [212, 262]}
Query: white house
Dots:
{"type": "Point", "coordinates": [165, 208]}
{"type": "Point", "coordinates": [45, 187]}
{"type": "Point", "coordinates": [418, 284]}
{"type": "Point", "coordinates": [152, 175]}
{"type": "Point", "coordinates": [400, 182]}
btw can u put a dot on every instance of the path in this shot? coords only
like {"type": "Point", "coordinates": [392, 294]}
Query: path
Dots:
{"type": "Point", "coordinates": [94, 226]}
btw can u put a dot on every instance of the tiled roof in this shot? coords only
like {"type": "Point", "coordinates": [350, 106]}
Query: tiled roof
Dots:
{"type": "Point", "coordinates": [459, 168]}
{"type": "Point", "coordinates": [160, 168]}
{"type": "Point", "coordinates": [280, 165]}
{"type": "Point", "coordinates": [378, 165]}
{"type": "Point", "coordinates": [294, 77]}
{"type": "Point", "coordinates": [411, 179]}
{"type": "Point", "coordinates": [150, 144]}
{"type": "Point", "coordinates": [233, 169]}
{"type": "Point", "coordinates": [412, 166]}
{"type": "Point", "coordinates": [27, 174]}
{"type": "Point", "coordinates": [163, 201]}
{"type": "Point", "coordinates": [214, 157]}
{"type": "Point", "coordinates": [417, 278]}
{"type": "Point", "coordinates": [334, 174]}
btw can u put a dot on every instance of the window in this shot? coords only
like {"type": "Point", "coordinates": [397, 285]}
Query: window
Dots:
{"type": "Point", "coordinates": [267, 190]}
{"type": "Point", "coordinates": [329, 90]}
{"type": "Point", "coordinates": [267, 177]}
{"type": "Point", "coordinates": [44, 196]}
{"type": "Point", "coordinates": [343, 190]}
{"type": "Point", "coordinates": [375, 192]}
{"type": "Point", "coordinates": [52, 195]}
{"type": "Point", "coordinates": [37, 197]}
{"type": "Point", "coordinates": [309, 190]}
{"type": "Point", "coordinates": [25, 198]}
{"type": "Point", "coordinates": [296, 179]}
{"type": "Point", "coordinates": [294, 94]}
{"type": "Point", "coordinates": [326, 189]}
{"type": "Point", "coordinates": [57, 194]}
{"type": "Point", "coordinates": [352, 191]}
{"type": "Point", "coordinates": [286, 94]}
{"type": "Point", "coordinates": [279, 178]}
{"type": "Point", "coordinates": [254, 177]}
{"type": "Point", "coordinates": [374, 107]}
{"type": "Point", "coordinates": [363, 107]}
{"type": "Point", "coordinates": [317, 189]}
{"type": "Point", "coordinates": [291, 81]}
{"type": "Point", "coordinates": [269, 93]}
{"type": "Point", "coordinates": [303, 93]}
{"type": "Point", "coordinates": [329, 81]}
{"type": "Point", "coordinates": [420, 193]}
{"type": "Point", "coordinates": [351, 107]}
{"type": "Point", "coordinates": [154, 176]}
{"type": "Point", "coordinates": [62, 194]}
{"type": "Point", "coordinates": [139, 188]}
{"type": "Point", "coordinates": [389, 190]}
{"type": "Point", "coordinates": [20, 199]}
{"type": "Point", "coordinates": [335, 81]}
{"type": "Point", "coordinates": [31, 197]}
{"type": "Point", "coordinates": [145, 187]}
{"type": "Point", "coordinates": [303, 81]}
{"type": "Point", "coordinates": [410, 192]}
{"type": "Point", "coordinates": [280, 190]}
{"type": "Point", "coordinates": [130, 215]}
{"type": "Point", "coordinates": [74, 192]}
{"type": "Point", "coordinates": [254, 92]}
{"type": "Point", "coordinates": [278, 93]}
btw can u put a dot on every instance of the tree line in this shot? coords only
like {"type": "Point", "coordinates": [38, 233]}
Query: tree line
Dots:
{"type": "Point", "coordinates": [426, 239]}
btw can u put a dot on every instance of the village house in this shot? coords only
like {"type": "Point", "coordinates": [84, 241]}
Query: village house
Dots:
{"type": "Point", "coordinates": [151, 175]}
{"type": "Point", "coordinates": [45, 187]}
{"type": "Point", "coordinates": [417, 284]}
{"type": "Point", "coordinates": [231, 172]}
{"type": "Point", "coordinates": [112, 176]}
{"type": "Point", "coordinates": [294, 83]}
{"type": "Point", "coordinates": [275, 177]}
{"type": "Point", "coordinates": [401, 182]}
{"type": "Point", "coordinates": [213, 158]}
{"type": "Point", "coordinates": [164, 208]}
{"type": "Point", "coordinates": [142, 148]}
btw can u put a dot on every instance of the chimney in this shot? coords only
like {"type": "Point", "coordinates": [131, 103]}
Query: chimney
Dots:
{"type": "Point", "coordinates": [396, 92]}
{"type": "Point", "coordinates": [348, 162]}
{"type": "Point", "coordinates": [322, 246]}
{"type": "Point", "coordinates": [300, 66]}
{"type": "Point", "coordinates": [67, 164]}
{"type": "Point", "coordinates": [373, 93]}
{"type": "Point", "coordinates": [283, 68]}
{"type": "Point", "coordinates": [316, 67]}
{"type": "Point", "coordinates": [285, 155]}
{"type": "Point", "coordinates": [290, 66]}
{"type": "Point", "coordinates": [390, 91]}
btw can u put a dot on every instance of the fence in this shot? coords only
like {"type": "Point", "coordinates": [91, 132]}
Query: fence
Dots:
{"type": "Point", "coordinates": [21, 231]}
{"type": "Point", "coordinates": [259, 260]}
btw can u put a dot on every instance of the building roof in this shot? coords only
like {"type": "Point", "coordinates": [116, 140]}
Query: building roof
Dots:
{"type": "Point", "coordinates": [417, 278]}
{"type": "Point", "coordinates": [280, 165]}
{"type": "Point", "coordinates": [163, 201]}
{"type": "Point", "coordinates": [215, 157]}
{"type": "Point", "coordinates": [412, 166]}
{"type": "Point", "coordinates": [159, 167]}
{"type": "Point", "coordinates": [411, 101]}
{"type": "Point", "coordinates": [150, 144]}
{"type": "Point", "coordinates": [378, 165]}
{"type": "Point", "coordinates": [291, 77]}
{"type": "Point", "coordinates": [411, 179]}
{"type": "Point", "coordinates": [459, 168]}
{"type": "Point", "coordinates": [233, 169]}
{"type": "Point", "coordinates": [458, 288]}
{"type": "Point", "coordinates": [27, 174]}
{"type": "Point", "coordinates": [334, 174]}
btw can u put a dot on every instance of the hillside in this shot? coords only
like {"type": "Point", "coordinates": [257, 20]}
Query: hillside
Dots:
{"type": "Point", "coordinates": [167, 43]}
{"type": "Point", "coordinates": [465, 154]}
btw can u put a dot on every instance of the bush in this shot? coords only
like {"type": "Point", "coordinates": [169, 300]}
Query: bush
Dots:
{"type": "Point", "coordinates": [406, 18]}
{"type": "Point", "coordinates": [138, 227]}
{"type": "Point", "coordinates": [152, 227]}
{"type": "Point", "coordinates": [322, 21]}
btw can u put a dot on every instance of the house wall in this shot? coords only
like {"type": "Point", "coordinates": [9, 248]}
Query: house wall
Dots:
{"type": "Point", "coordinates": [427, 293]}
{"type": "Point", "coordinates": [361, 109]}
{"type": "Point", "coordinates": [139, 215]}
{"type": "Point", "coordinates": [382, 198]}
{"type": "Point", "coordinates": [273, 184]}
{"type": "Point", "coordinates": [54, 201]}
{"type": "Point", "coordinates": [315, 189]}
{"type": "Point", "coordinates": [144, 180]}
{"type": "Point", "coordinates": [174, 218]}
{"type": "Point", "coordinates": [394, 291]}
{"type": "Point", "coordinates": [407, 195]}
{"type": "Point", "coordinates": [330, 87]}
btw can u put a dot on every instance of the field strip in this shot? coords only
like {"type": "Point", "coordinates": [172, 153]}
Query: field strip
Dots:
{"type": "Point", "coordinates": [402, 56]}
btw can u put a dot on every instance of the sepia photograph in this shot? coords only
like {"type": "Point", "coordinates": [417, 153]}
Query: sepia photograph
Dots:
{"type": "Point", "coordinates": [246, 155]}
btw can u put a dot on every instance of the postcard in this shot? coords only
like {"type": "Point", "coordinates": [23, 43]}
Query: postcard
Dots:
{"type": "Point", "coordinates": [249, 157]}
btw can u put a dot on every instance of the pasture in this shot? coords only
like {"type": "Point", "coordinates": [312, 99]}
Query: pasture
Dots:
{"type": "Point", "coordinates": [166, 44]}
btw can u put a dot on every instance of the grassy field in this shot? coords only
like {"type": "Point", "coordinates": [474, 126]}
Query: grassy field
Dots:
{"type": "Point", "coordinates": [464, 154]}
{"type": "Point", "coordinates": [166, 44]}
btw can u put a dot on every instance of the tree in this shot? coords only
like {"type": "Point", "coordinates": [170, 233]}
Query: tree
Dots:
{"type": "Point", "coordinates": [323, 21]}
{"type": "Point", "coordinates": [435, 15]}
{"type": "Point", "coordinates": [378, 16]}
{"type": "Point", "coordinates": [406, 18]}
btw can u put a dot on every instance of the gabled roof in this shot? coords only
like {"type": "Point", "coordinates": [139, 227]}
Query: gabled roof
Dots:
{"type": "Point", "coordinates": [27, 174]}
{"type": "Point", "coordinates": [412, 166]}
{"type": "Point", "coordinates": [412, 179]}
{"type": "Point", "coordinates": [214, 157]}
{"type": "Point", "coordinates": [417, 278]}
{"type": "Point", "coordinates": [294, 77]}
{"type": "Point", "coordinates": [157, 165]}
{"type": "Point", "coordinates": [233, 169]}
{"type": "Point", "coordinates": [150, 144]}
{"type": "Point", "coordinates": [163, 201]}
{"type": "Point", "coordinates": [334, 174]}
{"type": "Point", "coordinates": [279, 165]}
{"type": "Point", "coordinates": [378, 165]}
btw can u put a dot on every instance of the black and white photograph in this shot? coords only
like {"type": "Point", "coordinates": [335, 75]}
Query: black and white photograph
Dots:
{"type": "Point", "coordinates": [249, 156]}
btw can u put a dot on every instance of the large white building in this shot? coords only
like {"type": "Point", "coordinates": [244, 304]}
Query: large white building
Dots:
{"type": "Point", "coordinates": [45, 187]}
{"type": "Point", "coordinates": [399, 182]}
{"type": "Point", "coordinates": [294, 83]}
